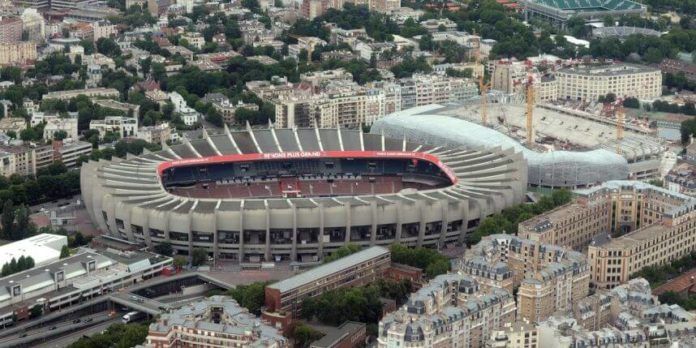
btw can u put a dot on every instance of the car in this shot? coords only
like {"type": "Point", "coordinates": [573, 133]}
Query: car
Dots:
{"type": "Point", "coordinates": [89, 320]}
{"type": "Point", "coordinates": [77, 321]}
{"type": "Point", "coordinates": [53, 328]}
{"type": "Point", "coordinates": [22, 335]}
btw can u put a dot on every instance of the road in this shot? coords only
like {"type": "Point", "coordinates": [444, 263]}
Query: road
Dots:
{"type": "Point", "coordinates": [66, 340]}
{"type": "Point", "coordinates": [96, 320]}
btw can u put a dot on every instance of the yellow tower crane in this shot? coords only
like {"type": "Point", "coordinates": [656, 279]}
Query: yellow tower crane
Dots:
{"type": "Point", "coordinates": [530, 111]}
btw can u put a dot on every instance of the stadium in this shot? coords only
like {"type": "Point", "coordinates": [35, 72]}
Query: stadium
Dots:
{"type": "Point", "coordinates": [274, 195]}
{"type": "Point", "coordinates": [560, 11]}
{"type": "Point", "coordinates": [572, 149]}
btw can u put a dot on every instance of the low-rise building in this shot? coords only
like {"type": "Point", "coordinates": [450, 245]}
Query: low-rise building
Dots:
{"type": "Point", "coordinates": [123, 126]}
{"type": "Point", "coordinates": [216, 321]}
{"type": "Point", "coordinates": [519, 334]}
{"type": "Point", "coordinates": [360, 268]}
{"type": "Point", "coordinates": [158, 134]}
{"type": "Point", "coordinates": [60, 124]}
{"type": "Point", "coordinates": [12, 124]}
{"type": "Point", "coordinates": [62, 283]}
{"type": "Point", "coordinates": [98, 92]}
{"type": "Point", "coordinates": [194, 39]}
{"type": "Point", "coordinates": [226, 108]}
{"type": "Point", "coordinates": [70, 151]}
{"type": "Point", "coordinates": [188, 115]}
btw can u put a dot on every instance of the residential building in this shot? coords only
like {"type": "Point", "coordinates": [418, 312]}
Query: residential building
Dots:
{"type": "Point", "coordinates": [650, 226]}
{"type": "Point", "coordinates": [476, 68]}
{"type": "Point", "coordinates": [55, 124]}
{"type": "Point", "coordinates": [675, 66]}
{"type": "Point", "coordinates": [319, 79]}
{"type": "Point", "coordinates": [548, 278]}
{"type": "Point", "coordinates": [681, 179]}
{"type": "Point", "coordinates": [216, 321]}
{"type": "Point", "coordinates": [158, 134]}
{"type": "Point", "coordinates": [99, 92]}
{"type": "Point", "coordinates": [194, 39]}
{"type": "Point", "coordinates": [226, 108]}
{"type": "Point", "coordinates": [104, 29]}
{"type": "Point", "coordinates": [70, 151]}
{"type": "Point", "coordinates": [121, 125]}
{"type": "Point", "coordinates": [187, 113]}
{"type": "Point", "coordinates": [509, 76]}
{"type": "Point", "coordinates": [422, 89]}
{"type": "Point", "coordinates": [127, 109]}
{"type": "Point", "coordinates": [439, 25]}
{"type": "Point", "coordinates": [17, 53]}
{"type": "Point", "coordinates": [519, 334]}
{"type": "Point", "coordinates": [10, 30]}
{"type": "Point", "coordinates": [360, 268]}
{"type": "Point", "coordinates": [12, 124]}
{"type": "Point", "coordinates": [348, 334]}
{"type": "Point", "coordinates": [624, 80]}
{"type": "Point", "coordinates": [20, 160]}
{"type": "Point", "coordinates": [158, 96]}
{"type": "Point", "coordinates": [157, 7]}
{"type": "Point", "coordinates": [450, 311]}
{"type": "Point", "coordinates": [72, 280]}
{"type": "Point", "coordinates": [306, 43]}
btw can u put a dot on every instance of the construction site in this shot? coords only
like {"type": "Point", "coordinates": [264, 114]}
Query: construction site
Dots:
{"type": "Point", "coordinates": [566, 144]}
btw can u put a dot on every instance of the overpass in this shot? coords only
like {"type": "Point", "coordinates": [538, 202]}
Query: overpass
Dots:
{"type": "Point", "coordinates": [139, 303]}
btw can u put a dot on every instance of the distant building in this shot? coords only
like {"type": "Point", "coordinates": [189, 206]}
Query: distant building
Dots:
{"type": "Point", "coordinates": [17, 53]}
{"type": "Point", "coordinates": [98, 92]}
{"type": "Point", "coordinates": [69, 152]}
{"type": "Point", "coordinates": [121, 125]}
{"type": "Point", "coordinates": [158, 134]}
{"type": "Point", "coordinates": [12, 124]}
{"type": "Point", "coordinates": [624, 80]}
{"type": "Point", "coordinates": [10, 30]}
{"type": "Point", "coordinates": [519, 334]}
{"type": "Point", "coordinates": [56, 124]}
{"type": "Point", "coordinates": [216, 321]}
{"type": "Point", "coordinates": [104, 29]}
{"type": "Point", "coordinates": [226, 108]}
{"type": "Point", "coordinates": [188, 114]}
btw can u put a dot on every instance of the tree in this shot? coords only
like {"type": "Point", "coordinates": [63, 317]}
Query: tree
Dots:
{"type": "Point", "coordinates": [36, 311]}
{"type": "Point", "coordinates": [108, 47]}
{"type": "Point", "coordinates": [164, 249]}
{"type": "Point", "coordinates": [60, 135]}
{"type": "Point", "coordinates": [250, 296]}
{"type": "Point", "coordinates": [180, 261]}
{"type": "Point", "coordinates": [305, 335]}
{"type": "Point", "coordinates": [7, 219]}
{"type": "Point", "coordinates": [199, 256]}
{"type": "Point", "coordinates": [342, 252]}
{"type": "Point", "coordinates": [64, 252]}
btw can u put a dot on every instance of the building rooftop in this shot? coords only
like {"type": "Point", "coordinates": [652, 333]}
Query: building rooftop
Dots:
{"type": "Point", "coordinates": [330, 268]}
{"type": "Point", "coordinates": [42, 248]}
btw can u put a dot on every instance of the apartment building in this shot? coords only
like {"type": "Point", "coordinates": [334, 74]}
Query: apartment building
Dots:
{"type": "Point", "coordinates": [549, 278]}
{"type": "Point", "coordinates": [98, 92]}
{"type": "Point", "coordinates": [17, 53]}
{"type": "Point", "coordinates": [103, 29]}
{"type": "Point", "coordinates": [216, 321]}
{"type": "Point", "coordinates": [24, 160]}
{"type": "Point", "coordinates": [626, 226]}
{"type": "Point", "coordinates": [226, 108]}
{"type": "Point", "coordinates": [357, 269]}
{"type": "Point", "coordinates": [70, 151]}
{"type": "Point", "coordinates": [10, 30]}
{"type": "Point", "coordinates": [158, 134]}
{"type": "Point", "coordinates": [519, 334]}
{"type": "Point", "coordinates": [450, 311]}
{"type": "Point", "coordinates": [422, 89]}
{"type": "Point", "coordinates": [624, 80]}
{"type": "Point", "coordinates": [187, 113]}
{"type": "Point", "coordinates": [341, 103]}
{"type": "Point", "coordinates": [12, 124]}
{"type": "Point", "coordinates": [593, 312]}
{"type": "Point", "coordinates": [123, 126]}
{"type": "Point", "coordinates": [572, 225]}
{"type": "Point", "coordinates": [57, 124]}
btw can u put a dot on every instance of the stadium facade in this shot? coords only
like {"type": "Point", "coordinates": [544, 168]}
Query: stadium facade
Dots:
{"type": "Point", "coordinates": [549, 169]}
{"type": "Point", "coordinates": [298, 194]}
{"type": "Point", "coordinates": [559, 12]}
